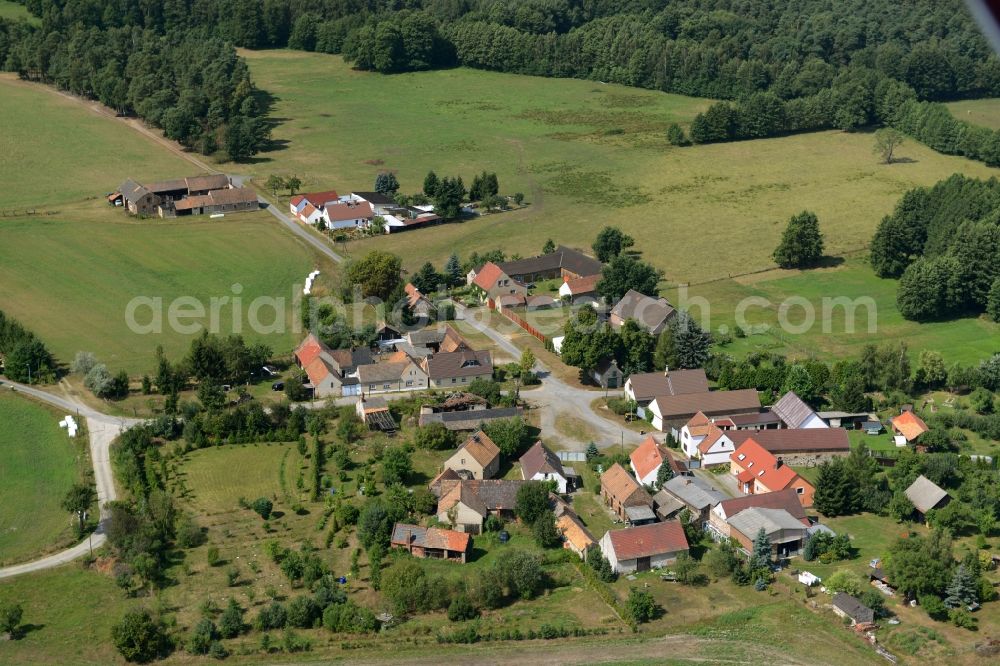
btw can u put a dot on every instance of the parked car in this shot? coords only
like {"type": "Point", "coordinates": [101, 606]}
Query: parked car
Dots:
{"type": "Point", "coordinates": [278, 386]}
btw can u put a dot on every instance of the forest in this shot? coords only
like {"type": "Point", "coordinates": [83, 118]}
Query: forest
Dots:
{"type": "Point", "coordinates": [787, 66]}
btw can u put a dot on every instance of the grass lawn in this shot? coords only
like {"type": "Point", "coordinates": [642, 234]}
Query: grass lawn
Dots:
{"type": "Point", "coordinates": [585, 155]}
{"type": "Point", "coordinates": [70, 278]}
{"type": "Point", "coordinates": [38, 464]}
{"type": "Point", "coordinates": [964, 340]}
{"type": "Point", "coordinates": [68, 615]}
{"type": "Point", "coordinates": [57, 151]}
{"type": "Point", "coordinates": [985, 112]}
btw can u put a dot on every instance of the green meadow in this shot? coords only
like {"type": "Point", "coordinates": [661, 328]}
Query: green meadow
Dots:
{"type": "Point", "coordinates": [985, 112]}
{"type": "Point", "coordinates": [38, 464]}
{"type": "Point", "coordinates": [57, 151]}
{"type": "Point", "coordinates": [71, 279]}
{"type": "Point", "coordinates": [585, 155]}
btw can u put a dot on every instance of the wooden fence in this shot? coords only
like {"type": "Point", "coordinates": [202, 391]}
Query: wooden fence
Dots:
{"type": "Point", "coordinates": [531, 330]}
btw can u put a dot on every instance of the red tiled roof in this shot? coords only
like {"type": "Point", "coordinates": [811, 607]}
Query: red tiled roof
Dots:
{"type": "Point", "coordinates": [487, 276]}
{"type": "Point", "coordinates": [309, 350]}
{"type": "Point", "coordinates": [712, 435]}
{"type": "Point", "coordinates": [583, 285]}
{"type": "Point", "coordinates": [648, 540]}
{"type": "Point", "coordinates": [786, 499]}
{"type": "Point", "coordinates": [296, 200]}
{"type": "Point", "coordinates": [317, 371]}
{"type": "Point", "coordinates": [787, 440]}
{"type": "Point", "coordinates": [909, 425]}
{"type": "Point", "coordinates": [318, 199]}
{"type": "Point", "coordinates": [343, 211]}
{"type": "Point", "coordinates": [647, 457]}
{"type": "Point", "coordinates": [764, 466]}
{"type": "Point", "coordinates": [481, 448]}
{"type": "Point", "coordinates": [405, 535]}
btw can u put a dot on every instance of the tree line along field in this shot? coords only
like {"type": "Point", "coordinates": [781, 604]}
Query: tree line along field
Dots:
{"type": "Point", "coordinates": [985, 112]}
{"type": "Point", "coordinates": [38, 464]}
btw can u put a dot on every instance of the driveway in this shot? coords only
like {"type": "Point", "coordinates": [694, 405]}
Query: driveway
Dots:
{"type": "Point", "coordinates": [557, 398]}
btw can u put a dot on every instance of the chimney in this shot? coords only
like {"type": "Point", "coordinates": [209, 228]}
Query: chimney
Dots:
{"type": "Point", "coordinates": [666, 370]}
{"type": "Point", "coordinates": [778, 464]}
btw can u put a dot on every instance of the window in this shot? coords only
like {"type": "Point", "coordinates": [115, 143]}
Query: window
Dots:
{"type": "Point", "coordinates": [385, 386]}
{"type": "Point", "coordinates": [453, 380]}
{"type": "Point", "coordinates": [750, 465]}
{"type": "Point", "coordinates": [409, 382]}
{"type": "Point", "coordinates": [741, 456]}
{"type": "Point", "coordinates": [465, 379]}
{"type": "Point", "coordinates": [800, 490]}
{"type": "Point", "coordinates": [761, 472]}
{"type": "Point", "coordinates": [371, 387]}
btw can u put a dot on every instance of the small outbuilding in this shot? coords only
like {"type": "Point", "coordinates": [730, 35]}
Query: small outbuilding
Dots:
{"type": "Point", "coordinates": [925, 495]}
{"type": "Point", "coordinates": [847, 606]}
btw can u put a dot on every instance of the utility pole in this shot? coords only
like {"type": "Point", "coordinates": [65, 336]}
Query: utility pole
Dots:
{"type": "Point", "coordinates": [29, 372]}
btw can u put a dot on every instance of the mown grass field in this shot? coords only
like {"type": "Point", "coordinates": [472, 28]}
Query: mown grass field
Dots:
{"type": "Point", "coordinates": [985, 112]}
{"type": "Point", "coordinates": [585, 155]}
{"type": "Point", "coordinates": [14, 10]}
{"type": "Point", "coordinates": [70, 278]}
{"type": "Point", "coordinates": [38, 465]}
{"type": "Point", "coordinates": [58, 151]}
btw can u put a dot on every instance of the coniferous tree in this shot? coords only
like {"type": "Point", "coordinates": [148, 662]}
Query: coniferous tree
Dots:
{"type": "Point", "coordinates": [963, 590]}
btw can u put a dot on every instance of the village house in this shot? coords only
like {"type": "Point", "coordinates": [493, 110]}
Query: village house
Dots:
{"type": "Point", "coordinates": [795, 413]}
{"type": "Point", "coordinates": [787, 500]}
{"type": "Point", "coordinates": [580, 290]}
{"type": "Point", "coordinates": [451, 369]}
{"type": "Point", "coordinates": [925, 495]}
{"type": "Point", "coordinates": [645, 547]}
{"type": "Point", "coordinates": [786, 534]}
{"type": "Point", "coordinates": [846, 606]}
{"type": "Point", "coordinates": [478, 457]}
{"type": "Point", "coordinates": [766, 420]}
{"type": "Point", "coordinates": [607, 374]}
{"type": "Point", "coordinates": [431, 542]}
{"type": "Point", "coordinates": [402, 375]}
{"type": "Point", "coordinates": [468, 503]}
{"type": "Point", "coordinates": [576, 537]}
{"type": "Point", "coordinates": [907, 427]}
{"type": "Point", "coordinates": [653, 314]}
{"type": "Point", "coordinates": [627, 499]}
{"type": "Point", "coordinates": [490, 282]}
{"type": "Point", "coordinates": [758, 472]}
{"type": "Point", "coordinates": [343, 215]}
{"type": "Point", "coordinates": [540, 464]}
{"type": "Point", "coordinates": [671, 412]}
{"type": "Point", "coordinates": [564, 262]}
{"type": "Point", "coordinates": [646, 461]}
{"type": "Point", "coordinates": [230, 200]}
{"type": "Point", "coordinates": [443, 482]}
{"type": "Point", "coordinates": [697, 496]}
{"type": "Point", "coordinates": [701, 439]}
{"type": "Point", "coordinates": [328, 370]}
{"type": "Point", "coordinates": [643, 387]}
{"type": "Point", "coordinates": [801, 448]}
{"type": "Point", "coordinates": [419, 304]}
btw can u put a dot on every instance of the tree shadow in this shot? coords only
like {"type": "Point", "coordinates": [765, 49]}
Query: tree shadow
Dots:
{"type": "Point", "coordinates": [829, 262]}
{"type": "Point", "coordinates": [25, 629]}
{"type": "Point", "coordinates": [902, 160]}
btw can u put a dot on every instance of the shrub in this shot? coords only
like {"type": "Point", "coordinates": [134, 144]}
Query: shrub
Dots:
{"type": "Point", "coordinates": [640, 606]}
{"type": "Point", "coordinates": [201, 638]}
{"type": "Point", "coordinates": [263, 507]}
{"type": "Point", "coordinates": [231, 622]}
{"type": "Point", "coordinates": [271, 617]}
{"type": "Point", "coordinates": [139, 638]}
{"type": "Point", "coordinates": [213, 557]}
{"type": "Point", "coordinates": [461, 609]}
{"type": "Point", "coordinates": [302, 612]}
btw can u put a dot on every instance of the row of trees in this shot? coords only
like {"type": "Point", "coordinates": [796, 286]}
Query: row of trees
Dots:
{"type": "Point", "coordinates": [942, 242]}
{"type": "Point", "coordinates": [26, 358]}
{"type": "Point", "coordinates": [587, 342]}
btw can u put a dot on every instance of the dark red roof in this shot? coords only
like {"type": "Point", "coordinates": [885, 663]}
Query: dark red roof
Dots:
{"type": "Point", "coordinates": [648, 540]}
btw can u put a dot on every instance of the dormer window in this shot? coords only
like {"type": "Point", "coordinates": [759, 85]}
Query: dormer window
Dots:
{"type": "Point", "coordinates": [742, 456]}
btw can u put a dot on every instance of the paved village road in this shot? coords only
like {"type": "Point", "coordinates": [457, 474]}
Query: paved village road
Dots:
{"type": "Point", "coordinates": [557, 398]}
{"type": "Point", "coordinates": [102, 430]}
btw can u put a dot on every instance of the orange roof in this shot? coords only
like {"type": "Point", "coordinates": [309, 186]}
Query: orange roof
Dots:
{"type": "Point", "coordinates": [338, 212]}
{"type": "Point", "coordinates": [317, 371]}
{"type": "Point", "coordinates": [453, 341]}
{"type": "Point", "coordinates": [712, 435]}
{"type": "Point", "coordinates": [296, 200]}
{"type": "Point", "coordinates": [481, 448]}
{"type": "Point", "coordinates": [583, 285]}
{"type": "Point", "coordinates": [396, 357]}
{"type": "Point", "coordinates": [648, 540]}
{"type": "Point", "coordinates": [488, 275]}
{"type": "Point", "coordinates": [309, 350]}
{"type": "Point", "coordinates": [574, 531]}
{"type": "Point", "coordinates": [647, 457]}
{"type": "Point", "coordinates": [909, 425]}
{"type": "Point", "coordinates": [406, 535]}
{"type": "Point", "coordinates": [763, 466]}
{"type": "Point", "coordinates": [619, 484]}
{"type": "Point", "coordinates": [698, 425]}
{"type": "Point", "coordinates": [321, 198]}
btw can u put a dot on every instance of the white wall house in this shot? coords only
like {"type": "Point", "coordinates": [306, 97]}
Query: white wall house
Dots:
{"type": "Point", "coordinates": [645, 547]}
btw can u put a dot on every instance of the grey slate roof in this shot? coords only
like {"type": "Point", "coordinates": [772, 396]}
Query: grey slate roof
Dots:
{"type": "Point", "coordinates": [563, 257]}
{"type": "Point", "coordinates": [132, 191]}
{"type": "Point", "coordinates": [652, 313]}
{"type": "Point", "coordinates": [925, 494]}
{"type": "Point", "coordinates": [853, 608]}
{"type": "Point", "coordinates": [539, 459]}
{"type": "Point", "coordinates": [792, 410]}
{"type": "Point", "coordinates": [749, 521]}
{"type": "Point", "coordinates": [693, 492]}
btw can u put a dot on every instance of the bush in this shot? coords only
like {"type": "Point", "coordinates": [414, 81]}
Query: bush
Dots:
{"type": "Point", "coordinates": [139, 638]}
{"type": "Point", "coordinates": [461, 609]}
{"type": "Point", "coordinates": [201, 638]}
{"type": "Point", "coordinates": [271, 617]}
{"type": "Point", "coordinates": [302, 612]}
{"type": "Point", "coordinates": [231, 622]}
{"type": "Point", "coordinates": [640, 606]}
{"type": "Point", "coordinates": [212, 556]}
{"type": "Point", "coordinates": [263, 507]}
{"type": "Point", "coordinates": [933, 606]}
{"type": "Point", "coordinates": [348, 617]}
